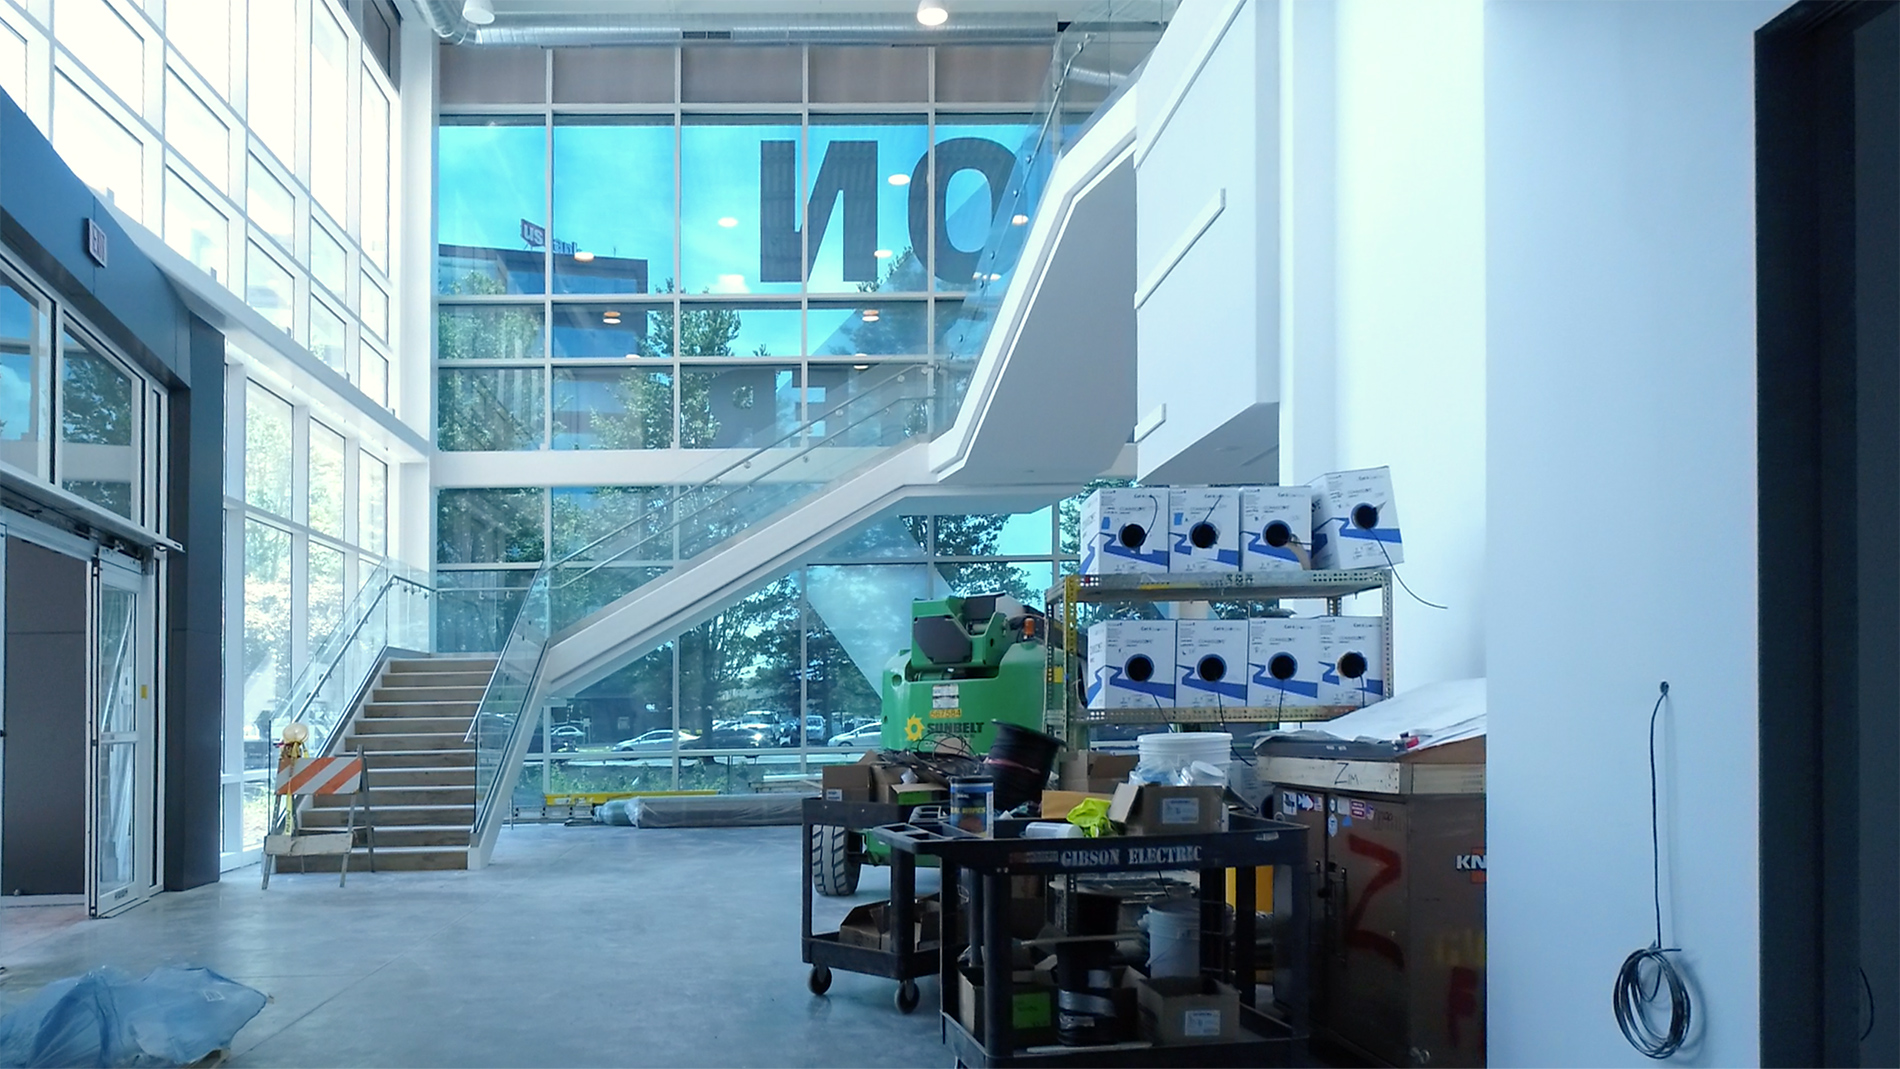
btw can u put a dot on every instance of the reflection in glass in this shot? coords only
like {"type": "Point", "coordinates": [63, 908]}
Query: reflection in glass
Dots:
{"type": "Point", "coordinates": [1027, 581]}
{"type": "Point", "coordinates": [325, 593]}
{"type": "Point", "coordinates": [104, 154]}
{"type": "Point", "coordinates": [599, 523]}
{"type": "Point", "coordinates": [870, 327]}
{"type": "Point", "coordinates": [577, 593]}
{"type": "Point", "coordinates": [488, 332]}
{"type": "Point", "coordinates": [975, 157]}
{"type": "Point", "coordinates": [619, 331]}
{"type": "Point", "coordinates": [26, 359]}
{"type": "Point", "coordinates": [329, 111]}
{"type": "Point", "coordinates": [613, 201]}
{"type": "Point", "coordinates": [739, 676]}
{"type": "Point", "coordinates": [891, 538]}
{"type": "Point", "coordinates": [194, 228]}
{"type": "Point", "coordinates": [268, 288]}
{"type": "Point", "coordinates": [327, 335]}
{"type": "Point", "coordinates": [326, 481]}
{"type": "Point", "coordinates": [739, 330]}
{"type": "Point", "coordinates": [270, 205]}
{"type": "Point", "coordinates": [868, 200]}
{"type": "Point", "coordinates": [489, 409]}
{"type": "Point", "coordinates": [632, 708]}
{"type": "Point", "coordinates": [874, 405]}
{"type": "Point", "coordinates": [612, 408]}
{"type": "Point", "coordinates": [266, 634]}
{"type": "Point", "coordinates": [196, 132]}
{"type": "Point", "coordinates": [491, 205]}
{"type": "Point", "coordinates": [1024, 534]}
{"type": "Point", "coordinates": [266, 450]}
{"type": "Point", "coordinates": [271, 83]}
{"type": "Point", "coordinates": [372, 504]}
{"type": "Point", "coordinates": [489, 525]}
{"type": "Point", "coordinates": [100, 412]}
{"type": "Point", "coordinates": [739, 222]}
{"type": "Point", "coordinates": [329, 263]}
{"type": "Point", "coordinates": [476, 617]}
{"type": "Point", "coordinates": [736, 406]}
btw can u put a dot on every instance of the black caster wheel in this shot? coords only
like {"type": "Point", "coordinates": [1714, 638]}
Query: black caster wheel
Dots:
{"type": "Point", "coordinates": [908, 996]}
{"type": "Point", "coordinates": [820, 979]}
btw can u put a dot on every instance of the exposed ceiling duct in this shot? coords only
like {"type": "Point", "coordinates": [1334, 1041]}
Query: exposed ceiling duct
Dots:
{"type": "Point", "coordinates": [572, 31]}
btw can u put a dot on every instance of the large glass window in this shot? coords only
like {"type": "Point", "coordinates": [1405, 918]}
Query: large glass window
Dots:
{"type": "Point", "coordinates": [271, 84]}
{"type": "Point", "coordinates": [266, 629]}
{"type": "Point", "coordinates": [372, 504]}
{"type": "Point", "coordinates": [735, 406]}
{"type": "Point", "coordinates": [13, 79]}
{"type": "Point", "coordinates": [26, 368]}
{"type": "Point", "coordinates": [375, 308]}
{"type": "Point", "coordinates": [491, 205]}
{"type": "Point", "coordinates": [488, 332]}
{"type": "Point", "coordinates": [735, 329]}
{"type": "Point", "coordinates": [612, 408]}
{"type": "Point", "coordinates": [271, 205]}
{"type": "Point", "coordinates": [613, 203]}
{"type": "Point", "coordinates": [490, 408]}
{"type": "Point", "coordinates": [325, 487]}
{"type": "Point", "coordinates": [499, 526]}
{"type": "Point", "coordinates": [329, 263]}
{"type": "Point", "coordinates": [375, 172]}
{"type": "Point", "coordinates": [196, 229]}
{"type": "Point", "coordinates": [101, 409]}
{"type": "Point", "coordinates": [739, 211]}
{"type": "Point", "coordinates": [617, 331]}
{"type": "Point", "coordinates": [269, 288]}
{"type": "Point", "coordinates": [326, 593]}
{"type": "Point", "coordinates": [267, 450]}
{"type": "Point", "coordinates": [104, 154]}
{"type": "Point", "coordinates": [201, 29]}
{"type": "Point", "coordinates": [107, 44]}
{"type": "Point", "coordinates": [327, 335]}
{"type": "Point", "coordinates": [866, 171]}
{"type": "Point", "coordinates": [330, 64]}
{"type": "Point", "coordinates": [196, 132]}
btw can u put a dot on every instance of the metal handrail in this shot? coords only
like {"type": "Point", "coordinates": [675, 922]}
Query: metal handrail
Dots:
{"type": "Point", "coordinates": [292, 711]}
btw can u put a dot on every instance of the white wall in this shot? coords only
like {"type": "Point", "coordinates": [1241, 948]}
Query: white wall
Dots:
{"type": "Point", "coordinates": [1621, 505]}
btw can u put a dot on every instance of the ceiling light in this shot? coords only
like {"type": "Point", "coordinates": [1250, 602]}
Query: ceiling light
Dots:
{"type": "Point", "coordinates": [870, 313]}
{"type": "Point", "coordinates": [929, 12]}
{"type": "Point", "coordinates": [899, 179]}
{"type": "Point", "coordinates": [633, 356]}
{"type": "Point", "coordinates": [870, 317]}
{"type": "Point", "coordinates": [1018, 219]}
{"type": "Point", "coordinates": [996, 278]}
{"type": "Point", "coordinates": [584, 256]}
{"type": "Point", "coordinates": [482, 12]}
{"type": "Point", "coordinates": [882, 254]}
{"type": "Point", "coordinates": [728, 221]}
{"type": "Point", "coordinates": [860, 367]}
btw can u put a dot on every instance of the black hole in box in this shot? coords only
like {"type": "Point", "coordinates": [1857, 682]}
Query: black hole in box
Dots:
{"type": "Point", "coordinates": [1140, 668]}
{"type": "Point", "coordinates": [1365, 517]}
{"type": "Point", "coordinates": [1283, 666]}
{"type": "Point", "coordinates": [1212, 669]}
{"type": "Point", "coordinates": [1133, 535]}
{"type": "Point", "coordinates": [1203, 535]}
{"type": "Point", "coordinates": [1352, 665]}
{"type": "Point", "coordinates": [1278, 534]}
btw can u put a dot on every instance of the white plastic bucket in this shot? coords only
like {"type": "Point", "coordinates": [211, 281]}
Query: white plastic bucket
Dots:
{"type": "Point", "coordinates": [1174, 939]}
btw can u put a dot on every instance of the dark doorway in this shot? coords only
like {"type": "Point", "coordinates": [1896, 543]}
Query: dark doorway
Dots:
{"type": "Point", "coordinates": [43, 834]}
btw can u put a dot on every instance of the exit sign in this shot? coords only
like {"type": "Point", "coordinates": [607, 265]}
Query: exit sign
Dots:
{"type": "Point", "coordinates": [96, 243]}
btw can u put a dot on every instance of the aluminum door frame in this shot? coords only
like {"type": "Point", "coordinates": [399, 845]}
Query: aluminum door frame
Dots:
{"type": "Point", "coordinates": [110, 569]}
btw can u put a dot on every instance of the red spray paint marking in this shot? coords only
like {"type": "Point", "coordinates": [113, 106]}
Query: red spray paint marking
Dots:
{"type": "Point", "coordinates": [1389, 868]}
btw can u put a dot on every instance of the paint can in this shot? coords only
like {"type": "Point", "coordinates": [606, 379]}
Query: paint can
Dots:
{"type": "Point", "coordinates": [973, 804]}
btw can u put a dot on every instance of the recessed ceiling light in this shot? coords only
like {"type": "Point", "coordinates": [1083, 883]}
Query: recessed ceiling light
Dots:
{"type": "Point", "coordinates": [899, 179]}
{"type": "Point", "coordinates": [860, 367]}
{"type": "Point", "coordinates": [978, 276]}
{"type": "Point", "coordinates": [583, 256]}
{"type": "Point", "coordinates": [929, 12]}
{"type": "Point", "coordinates": [870, 317]}
{"type": "Point", "coordinates": [633, 356]}
{"type": "Point", "coordinates": [882, 254]}
{"type": "Point", "coordinates": [1018, 219]}
{"type": "Point", "coordinates": [728, 221]}
{"type": "Point", "coordinates": [995, 278]}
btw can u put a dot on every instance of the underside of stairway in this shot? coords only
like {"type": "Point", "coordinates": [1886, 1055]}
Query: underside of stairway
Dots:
{"type": "Point", "coordinates": [419, 769]}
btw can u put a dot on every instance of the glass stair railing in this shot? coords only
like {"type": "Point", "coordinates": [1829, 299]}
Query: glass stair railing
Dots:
{"type": "Point", "coordinates": [392, 611]}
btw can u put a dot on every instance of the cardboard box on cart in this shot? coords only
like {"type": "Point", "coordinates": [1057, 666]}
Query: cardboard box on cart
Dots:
{"type": "Point", "coordinates": [1094, 772]}
{"type": "Point", "coordinates": [1152, 809]}
{"type": "Point", "coordinates": [1177, 1010]}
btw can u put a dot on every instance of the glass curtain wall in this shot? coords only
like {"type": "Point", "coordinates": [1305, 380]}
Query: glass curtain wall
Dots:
{"type": "Point", "coordinates": [307, 516]}
{"type": "Point", "coordinates": [701, 248]}
{"type": "Point", "coordinates": [253, 136]}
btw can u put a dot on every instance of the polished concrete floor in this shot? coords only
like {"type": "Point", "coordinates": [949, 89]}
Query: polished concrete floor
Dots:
{"type": "Point", "coordinates": [584, 946]}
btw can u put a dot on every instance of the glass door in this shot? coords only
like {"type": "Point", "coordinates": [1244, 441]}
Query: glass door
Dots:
{"type": "Point", "coordinates": [124, 737]}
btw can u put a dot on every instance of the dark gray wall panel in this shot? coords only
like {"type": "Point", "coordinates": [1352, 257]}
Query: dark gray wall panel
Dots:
{"type": "Point", "coordinates": [43, 841]}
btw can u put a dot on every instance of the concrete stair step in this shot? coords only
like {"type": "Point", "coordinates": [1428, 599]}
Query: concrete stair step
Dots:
{"type": "Point", "coordinates": [413, 725]}
{"type": "Point", "coordinates": [461, 757]}
{"type": "Point", "coordinates": [426, 694]}
{"type": "Point", "coordinates": [438, 815]}
{"type": "Point", "coordinates": [421, 740]}
{"type": "Point", "coordinates": [443, 664]}
{"type": "Point", "coordinates": [388, 859]}
{"type": "Point", "coordinates": [422, 777]}
{"type": "Point", "coordinates": [381, 796]}
{"type": "Point", "coordinates": [382, 710]}
{"type": "Point", "coordinates": [436, 679]}
{"type": "Point", "coordinates": [422, 835]}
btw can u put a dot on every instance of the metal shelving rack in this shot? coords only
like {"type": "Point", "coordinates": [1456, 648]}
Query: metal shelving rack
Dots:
{"type": "Point", "coordinates": [1063, 713]}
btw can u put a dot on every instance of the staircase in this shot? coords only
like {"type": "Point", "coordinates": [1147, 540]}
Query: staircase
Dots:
{"type": "Point", "coordinates": [420, 769]}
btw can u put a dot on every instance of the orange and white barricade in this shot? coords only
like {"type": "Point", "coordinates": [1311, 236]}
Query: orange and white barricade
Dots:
{"type": "Point", "coordinates": [311, 777]}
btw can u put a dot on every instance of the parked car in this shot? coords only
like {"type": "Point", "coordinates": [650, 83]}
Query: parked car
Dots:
{"type": "Point", "coordinates": [737, 737]}
{"type": "Point", "coordinates": [657, 741]}
{"type": "Point", "coordinates": [563, 738]}
{"type": "Point", "coordinates": [864, 738]}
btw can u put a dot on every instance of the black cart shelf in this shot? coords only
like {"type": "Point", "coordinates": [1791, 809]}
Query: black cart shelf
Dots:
{"type": "Point", "coordinates": [905, 961]}
{"type": "Point", "coordinates": [1277, 1037]}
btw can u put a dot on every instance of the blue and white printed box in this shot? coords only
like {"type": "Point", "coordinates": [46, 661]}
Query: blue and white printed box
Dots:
{"type": "Point", "coordinates": [1283, 665]}
{"type": "Point", "coordinates": [1276, 528]}
{"type": "Point", "coordinates": [1351, 660]}
{"type": "Point", "coordinates": [1355, 520]}
{"type": "Point", "coordinates": [1130, 664]}
{"type": "Point", "coordinates": [1123, 530]}
{"type": "Point", "coordinates": [1204, 529]}
{"type": "Point", "coordinates": [1210, 664]}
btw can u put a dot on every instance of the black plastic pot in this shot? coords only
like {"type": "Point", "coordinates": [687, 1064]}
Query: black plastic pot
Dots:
{"type": "Point", "coordinates": [1019, 761]}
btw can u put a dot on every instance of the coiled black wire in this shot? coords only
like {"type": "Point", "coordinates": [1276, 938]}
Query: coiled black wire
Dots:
{"type": "Point", "coordinates": [1632, 996]}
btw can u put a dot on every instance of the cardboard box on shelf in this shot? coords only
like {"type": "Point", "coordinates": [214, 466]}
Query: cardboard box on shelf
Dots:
{"type": "Point", "coordinates": [1282, 663]}
{"type": "Point", "coordinates": [1152, 809]}
{"type": "Point", "coordinates": [919, 794]}
{"type": "Point", "coordinates": [1032, 1005]}
{"type": "Point", "coordinates": [1276, 528]}
{"type": "Point", "coordinates": [1351, 660]}
{"type": "Point", "coordinates": [1130, 664]}
{"type": "Point", "coordinates": [1355, 521]}
{"type": "Point", "coordinates": [1124, 529]}
{"type": "Point", "coordinates": [1094, 772]}
{"type": "Point", "coordinates": [1187, 1009]}
{"type": "Point", "coordinates": [847, 783]}
{"type": "Point", "coordinates": [1056, 804]}
{"type": "Point", "coordinates": [1203, 529]}
{"type": "Point", "coordinates": [869, 925]}
{"type": "Point", "coordinates": [1210, 663]}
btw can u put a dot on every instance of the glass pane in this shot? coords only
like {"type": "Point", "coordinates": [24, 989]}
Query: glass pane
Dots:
{"type": "Point", "coordinates": [633, 710]}
{"type": "Point", "coordinates": [266, 450]}
{"type": "Point", "coordinates": [1027, 582]}
{"type": "Point", "coordinates": [326, 593]}
{"type": "Point", "coordinates": [867, 404]}
{"type": "Point", "coordinates": [894, 537]}
{"type": "Point", "coordinates": [737, 406]}
{"type": "Point", "coordinates": [851, 614]}
{"type": "Point", "coordinates": [375, 306]}
{"type": "Point", "coordinates": [26, 366]}
{"type": "Point", "coordinates": [740, 330]}
{"type": "Point", "coordinates": [118, 667]}
{"type": "Point", "coordinates": [269, 289]}
{"type": "Point", "coordinates": [488, 526]}
{"type": "Point", "coordinates": [577, 593]}
{"type": "Point", "coordinates": [617, 331]}
{"type": "Point", "coordinates": [266, 635]}
{"type": "Point", "coordinates": [491, 205]}
{"type": "Point", "coordinates": [326, 481]}
{"type": "Point", "coordinates": [739, 223]}
{"type": "Point", "coordinates": [13, 78]}
{"type": "Point", "coordinates": [201, 30]}
{"type": "Point", "coordinates": [375, 172]}
{"type": "Point", "coordinates": [329, 263]}
{"type": "Point", "coordinates": [595, 523]}
{"type": "Point", "coordinates": [197, 133]}
{"type": "Point", "coordinates": [195, 229]}
{"type": "Point", "coordinates": [327, 335]}
{"type": "Point", "coordinates": [270, 205]}
{"type": "Point", "coordinates": [329, 111]}
{"type": "Point", "coordinates": [612, 408]}
{"type": "Point", "coordinates": [476, 621]}
{"type": "Point", "coordinates": [118, 772]}
{"type": "Point", "coordinates": [104, 154]}
{"type": "Point", "coordinates": [100, 407]}
{"type": "Point", "coordinates": [869, 181]}
{"type": "Point", "coordinates": [373, 378]}
{"type": "Point", "coordinates": [613, 204]}
{"type": "Point", "coordinates": [975, 158]}
{"type": "Point", "coordinates": [108, 45]}
{"type": "Point", "coordinates": [271, 85]}
{"type": "Point", "coordinates": [489, 409]}
{"type": "Point", "coordinates": [488, 332]}
{"type": "Point", "coordinates": [257, 794]}
{"type": "Point", "coordinates": [870, 328]}
{"type": "Point", "coordinates": [1003, 535]}
{"type": "Point", "coordinates": [739, 679]}
{"type": "Point", "coordinates": [372, 504]}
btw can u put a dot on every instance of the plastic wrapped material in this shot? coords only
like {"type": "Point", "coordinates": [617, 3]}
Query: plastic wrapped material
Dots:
{"type": "Point", "coordinates": [720, 810]}
{"type": "Point", "coordinates": [177, 1015]}
{"type": "Point", "coordinates": [615, 811]}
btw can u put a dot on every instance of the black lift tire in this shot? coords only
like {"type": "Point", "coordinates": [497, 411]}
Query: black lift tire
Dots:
{"type": "Point", "coordinates": [908, 996]}
{"type": "Point", "coordinates": [834, 865]}
{"type": "Point", "coordinates": [820, 979]}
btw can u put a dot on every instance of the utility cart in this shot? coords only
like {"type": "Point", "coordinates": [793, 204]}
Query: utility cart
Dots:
{"type": "Point", "coordinates": [1274, 1037]}
{"type": "Point", "coordinates": [903, 960]}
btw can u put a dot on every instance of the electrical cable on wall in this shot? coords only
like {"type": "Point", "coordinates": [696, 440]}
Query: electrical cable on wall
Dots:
{"type": "Point", "coordinates": [1401, 579]}
{"type": "Point", "coordinates": [1632, 995]}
